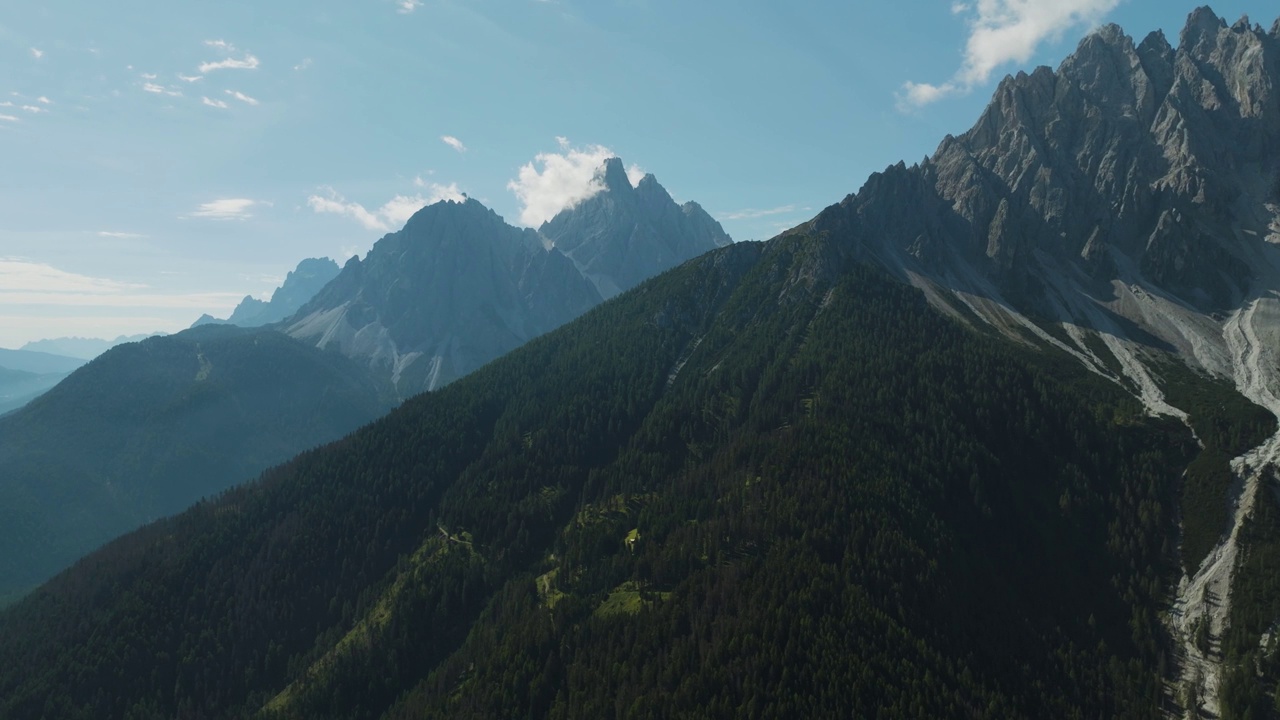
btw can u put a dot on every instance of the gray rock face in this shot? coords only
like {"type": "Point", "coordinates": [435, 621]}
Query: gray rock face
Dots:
{"type": "Point", "coordinates": [300, 285]}
{"type": "Point", "coordinates": [456, 288]}
{"type": "Point", "coordinates": [1143, 164]}
{"type": "Point", "coordinates": [625, 235]}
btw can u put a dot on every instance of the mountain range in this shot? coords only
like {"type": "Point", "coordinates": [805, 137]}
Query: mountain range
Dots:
{"type": "Point", "coordinates": [149, 428]}
{"type": "Point", "coordinates": [994, 436]}
{"type": "Point", "coordinates": [458, 286]}
{"type": "Point", "coordinates": [78, 347]}
{"type": "Point", "coordinates": [300, 285]}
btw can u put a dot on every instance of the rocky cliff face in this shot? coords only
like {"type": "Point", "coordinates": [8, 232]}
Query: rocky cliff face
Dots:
{"type": "Point", "coordinates": [1134, 175]}
{"type": "Point", "coordinates": [625, 235]}
{"type": "Point", "coordinates": [300, 285]}
{"type": "Point", "coordinates": [458, 286]}
{"type": "Point", "coordinates": [455, 288]}
{"type": "Point", "coordinates": [1124, 209]}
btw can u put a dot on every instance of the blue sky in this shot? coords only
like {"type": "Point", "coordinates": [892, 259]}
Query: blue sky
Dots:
{"type": "Point", "coordinates": [165, 159]}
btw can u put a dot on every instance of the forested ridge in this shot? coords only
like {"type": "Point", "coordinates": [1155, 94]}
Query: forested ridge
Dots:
{"type": "Point", "coordinates": [770, 483]}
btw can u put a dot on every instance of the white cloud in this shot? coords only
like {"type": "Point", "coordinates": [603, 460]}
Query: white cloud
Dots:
{"type": "Point", "coordinates": [119, 235]}
{"type": "Point", "coordinates": [189, 78]}
{"type": "Point", "coordinates": [1002, 32]}
{"type": "Point", "coordinates": [248, 63]}
{"type": "Point", "coordinates": [242, 97]}
{"type": "Point", "coordinates": [306, 63]}
{"type": "Point", "coordinates": [9, 118]}
{"type": "Point", "coordinates": [393, 213]}
{"type": "Point", "coordinates": [407, 6]}
{"type": "Point", "coordinates": [755, 213]}
{"type": "Point", "coordinates": [635, 174]}
{"type": "Point", "coordinates": [227, 209]}
{"type": "Point", "coordinates": [148, 76]}
{"type": "Point", "coordinates": [18, 275]}
{"type": "Point", "coordinates": [222, 45]}
{"type": "Point", "coordinates": [37, 53]}
{"type": "Point", "coordinates": [44, 100]}
{"type": "Point", "coordinates": [161, 90]}
{"type": "Point", "coordinates": [214, 103]}
{"type": "Point", "coordinates": [565, 180]}
{"type": "Point", "coordinates": [34, 109]}
{"type": "Point", "coordinates": [453, 142]}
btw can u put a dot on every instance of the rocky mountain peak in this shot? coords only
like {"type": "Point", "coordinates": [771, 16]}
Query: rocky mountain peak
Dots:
{"type": "Point", "coordinates": [626, 235]}
{"type": "Point", "coordinates": [614, 175]}
{"type": "Point", "coordinates": [1201, 23]}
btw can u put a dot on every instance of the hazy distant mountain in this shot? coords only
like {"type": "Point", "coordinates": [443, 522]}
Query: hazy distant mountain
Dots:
{"type": "Point", "coordinates": [458, 286]}
{"type": "Point", "coordinates": [38, 362]}
{"type": "Point", "coordinates": [17, 388]}
{"type": "Point", "coordinates": [300, 285]}
{"type": "Point", "coordinates": [26, 374]}
{"type": "Point", "coordinates": [622, 236]}
{"type": "Point", "coordinates": [148, 428]}
{"type": "Point", "coordinates": [79, 347]}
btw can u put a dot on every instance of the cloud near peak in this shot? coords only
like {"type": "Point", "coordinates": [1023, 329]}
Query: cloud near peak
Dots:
{"type": "Point", "coordinates": [394, 213]}
{"type": "Point", "coordinates": [564, 180]}
{"type": "Point", "coordinates": [1001, 32]}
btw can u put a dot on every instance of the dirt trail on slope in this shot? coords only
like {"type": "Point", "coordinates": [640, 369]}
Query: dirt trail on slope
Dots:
{"type": "Point", "coordinates": [1205, 596]}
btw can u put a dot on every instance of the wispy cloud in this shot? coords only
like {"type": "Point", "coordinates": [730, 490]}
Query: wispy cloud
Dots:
{"type": "Point", "coordinates": [213, 103]}
{"type": "Point", "coordinates": [37, 53]}
{"type": "Point", "coordinates": [242, 97]}
{"type": "Point", "coordinates": [453, 142]}
{"type": "Point", "coordinates": [34, 109]}
{"type": "Point", "coordinates": [227, 209]}
{"type": "Point", "coordinates": [10, 118]}
{"type": "Point", "coordinates": [306, 63]}
{"type": "Point", "coordinates": [222, 45]}
{"type": "Point", "coordinates": [119, 235]}
{"type": "Point", "coordinates": [393, 213]}
{"type": "Point", "coordinates": [248, 62]}
{"type": "Point", "coordinates": [565, 179]}
{"type": "Point", "coordinates": [407, 6]}
{"type": "Point", "coordinates": [1001, 32]}
{"type": "Point", "coordinates": [756, 213]}
{"type": "Point", "coordinates": [44, 100]}
{"type": "Point", "coordinates": [189, 78]}
{"type": "Point", "coordinates": [18, 275]}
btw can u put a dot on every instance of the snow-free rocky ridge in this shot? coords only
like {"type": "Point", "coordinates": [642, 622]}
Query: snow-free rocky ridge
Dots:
{"type": "Point", "coordinates": [1130, 198]}
{"type": "Point", "coordinates": [458, 286]}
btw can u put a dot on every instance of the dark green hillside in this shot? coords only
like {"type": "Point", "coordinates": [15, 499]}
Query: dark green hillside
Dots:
{"type": "Point", "coordinates": [148, 428]}
{"type": "Point", "coordinates": [770, 483]}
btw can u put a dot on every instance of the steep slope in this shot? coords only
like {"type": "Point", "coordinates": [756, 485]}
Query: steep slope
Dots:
{"type": "Point", "coordinates": [148, 428]}
{"type": "Point", "coordinates": [456, 288]}
{"type": "Point", "coordinates": [623, 235]}
{"type": "Point", "coordinates": [300, 285]}
{"type": "Point", "coordinates": [1123, 207]}
{"type": "Point", "coordinates": [769, 483]}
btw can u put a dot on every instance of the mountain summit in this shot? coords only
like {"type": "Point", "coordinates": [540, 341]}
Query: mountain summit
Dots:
{"type": "Point", "coordinates": [625, 235]}
{"type": "Point", "coordinates": [458, 286]}
{"type": "Point", "coordinates": [299, 286]}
